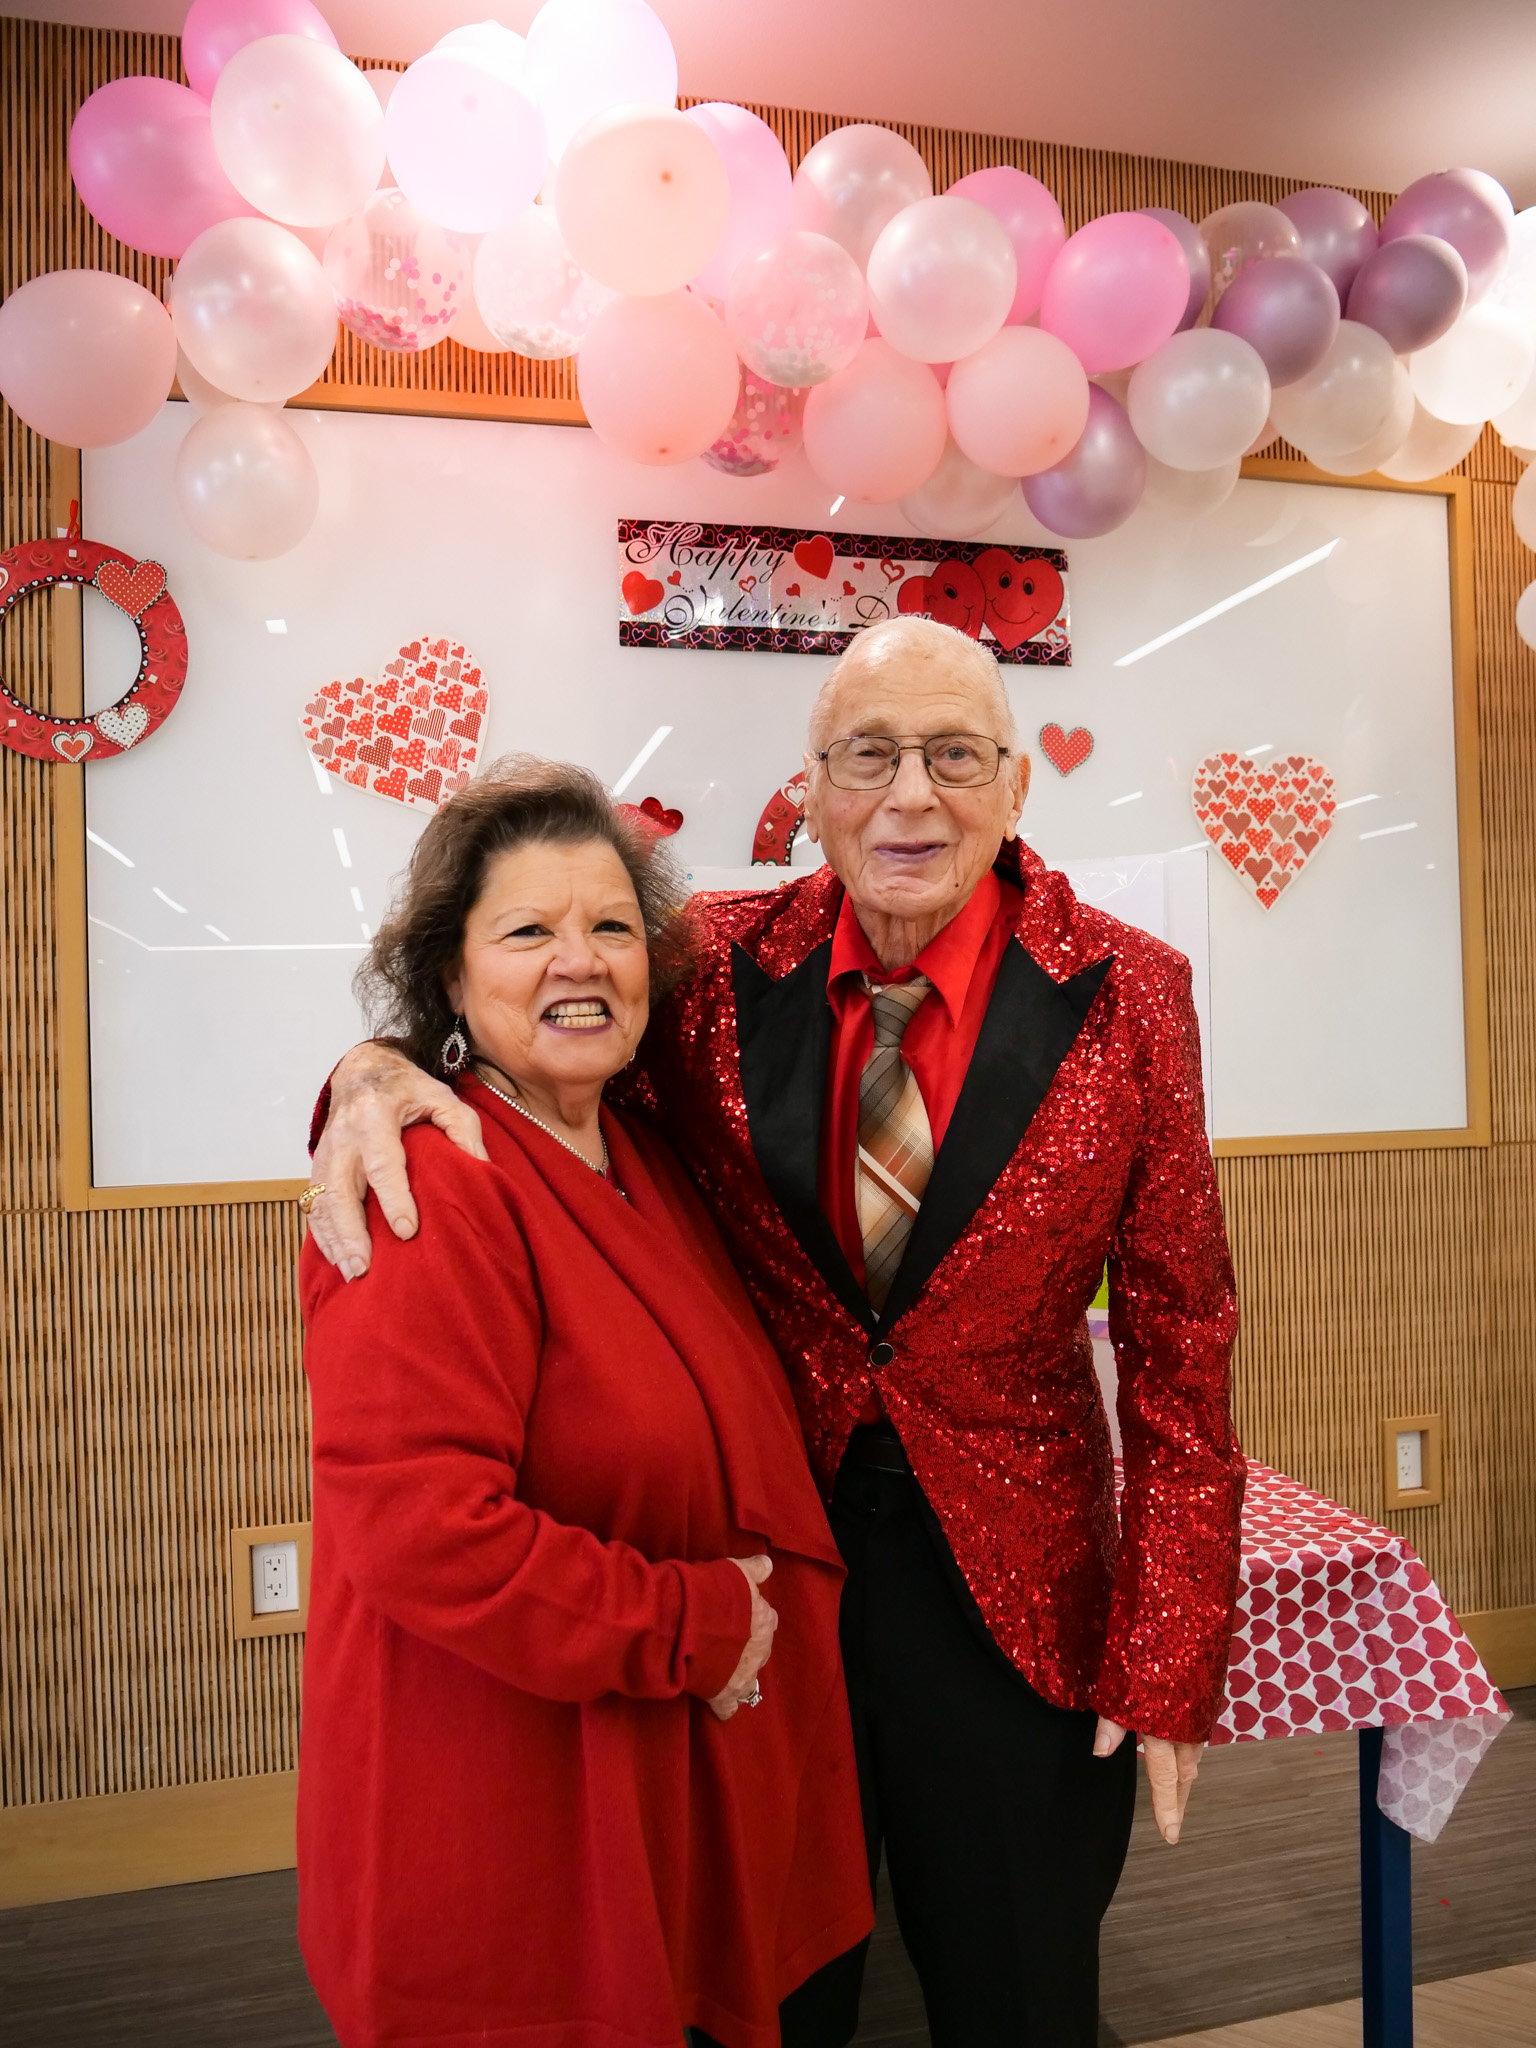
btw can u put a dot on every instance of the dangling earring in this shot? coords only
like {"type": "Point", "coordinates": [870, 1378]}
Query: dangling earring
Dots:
{"type": "Point", "coordinates": [454, 1057]}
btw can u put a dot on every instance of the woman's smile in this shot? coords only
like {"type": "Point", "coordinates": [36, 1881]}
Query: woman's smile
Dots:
{"type": "Point", "coordinates": [590, 1013]}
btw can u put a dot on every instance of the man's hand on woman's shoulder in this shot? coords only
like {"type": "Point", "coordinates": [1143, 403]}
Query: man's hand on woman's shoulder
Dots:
{"type": "Point", "coordinates": [375, 1093]}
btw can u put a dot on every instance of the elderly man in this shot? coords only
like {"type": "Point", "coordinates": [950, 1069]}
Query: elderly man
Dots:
{"type": "Point", "coordinates": [927, 1095]}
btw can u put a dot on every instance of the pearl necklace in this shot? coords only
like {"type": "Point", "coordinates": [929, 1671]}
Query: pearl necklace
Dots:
{"type": "Point", "coordinates": [575, 1150]}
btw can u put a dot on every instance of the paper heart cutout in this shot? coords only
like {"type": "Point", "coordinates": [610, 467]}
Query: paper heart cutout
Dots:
{"type": "Point", "coordinates": [1265, 847]}
{"type": "Point", "coordinates": [74, 746]}
{"type": "Point", "coordinates": [651, 813]}
{"type": "Point", "coordinates": [123, 724]}
{"type": "Point", "coordinates": [1066, 750]}
{"type": "Point", "coordinates": [815, 557]}
{"type": "Point", "coordinates": [375, 735]}
{"type": "Point", "coordinates": [642, 593]}
{"type": "Point", "coordinates": [131, 590]}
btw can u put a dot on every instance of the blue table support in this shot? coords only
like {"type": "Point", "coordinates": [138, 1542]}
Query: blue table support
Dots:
{"type": "Point", "coordinates": [1386, 1911]}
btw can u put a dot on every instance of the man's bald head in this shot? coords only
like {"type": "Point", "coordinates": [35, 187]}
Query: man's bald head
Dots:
{"type": "Point", "coordinates": [907, 653]}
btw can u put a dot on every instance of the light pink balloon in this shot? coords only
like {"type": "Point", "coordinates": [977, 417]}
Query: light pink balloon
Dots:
{"type": "Point", "coordinates": [400, 280]}
{"type": "Point", "coordinates": [759, 176]}
{"type": "Point", "coordinates": [657, 377]}
{"type": "Point", "coordinates": [642, 198]}
{"type": "Point", "coordinates": [798, 309]}
{"type": "Point", "coordinates": [959, 500]}
{"type": "Point", "coordinates": [585, 56]}
{"type": "Point", "coordinates": [1033, 223]}
{"type": "Point", "coordinates": [86, 358]}
{"type": "Point", "coordinates": [142, 157]}
{"type": "Point", "coordinates": [215, 29]}
{"type": "Point", "coordinates": [1117, 291]}
{"type": "Point", "coordinates": [941, 278]}
{"type": "Point", "coordinates": [298, 130]}
{"type": "Point", "coordinates": [245, 482]}
{"type": "Point", "coordinates": [1020, 404]}
{"type": "Point", "coordinates": [876, 430]}
{"type": "Point", "coordinates": [853, 181]}
{"type": "Point", "coordinates": [253, 310]}
{"type": "Point", "coordinates": [466, 144]}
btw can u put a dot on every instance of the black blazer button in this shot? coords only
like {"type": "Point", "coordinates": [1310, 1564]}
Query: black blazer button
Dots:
{"type": "Point", "coordinates": [882, 1354]}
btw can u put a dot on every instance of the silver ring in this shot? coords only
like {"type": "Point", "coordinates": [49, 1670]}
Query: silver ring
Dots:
{"type": "Point", "coordinates": [755, 1697]}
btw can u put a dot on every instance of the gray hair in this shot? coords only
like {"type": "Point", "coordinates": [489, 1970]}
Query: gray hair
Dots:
{"type": "Point", "coordinates": [912, 642]}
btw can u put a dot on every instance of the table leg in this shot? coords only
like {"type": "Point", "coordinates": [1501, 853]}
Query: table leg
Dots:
{"type": "Point", "coordinates": [1386, 1911]}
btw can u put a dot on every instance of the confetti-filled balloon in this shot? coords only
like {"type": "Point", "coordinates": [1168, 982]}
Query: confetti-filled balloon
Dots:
{"type": "Point", "coordinates": [1245, 232]}
{"type": "Point", "coordinates": [532, 294]}
{"type": "Point", "coordinates": [764, 428]}
{"type": "Point", "coordinates": [798, 309]}
{"type": "Point", "coordinates": [400, 280]}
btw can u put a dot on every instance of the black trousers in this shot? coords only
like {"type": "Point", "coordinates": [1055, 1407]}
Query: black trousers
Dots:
{"type": "Point", "coordinates": [1004, 1835]}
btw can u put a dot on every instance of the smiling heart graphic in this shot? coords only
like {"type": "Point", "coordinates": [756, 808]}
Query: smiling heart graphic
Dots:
{"type": "Point", "coordinates": [815, 557]}
{"type": "Point", "coordinates": [642, 593]}
{"type": "Point", "coordinates": [418, 691]}
{"type": "Point", "coordinates": [1265, 847]}
{"type": "Point", "coordinates": [1066, 750]}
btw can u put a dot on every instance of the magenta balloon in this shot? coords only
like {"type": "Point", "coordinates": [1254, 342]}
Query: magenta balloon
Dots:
{"type": "Point", "coordinates": [1284, 307]}
{"type": "Point", "coordinates": [657, 377]}
{"type": "Point", "coordinates": [1100, 483]}
{"type": "Point", "coordinates": [86, 357]}
{"type": "Point", "coordinates": [1411, 290]}
{"type": "Point", "coordinates": [876, 430]}
{"type": "Point", "coordinates": [142, 157]}
{"type": "Point", "coordinates": [1033, 223]}
{"type": "Point", "coordinates": [759, 176]}
{"type": "Point", "coordinates": [1196, 255]}
{"type": "Point", "coordinates": [215, 29]}
{"type": "Point", "coordinates": [1117, 291]}
{"type": "Point", "coordinates": [1337, 234]}
{"type": "Point", "coordinates": [1469, 210]}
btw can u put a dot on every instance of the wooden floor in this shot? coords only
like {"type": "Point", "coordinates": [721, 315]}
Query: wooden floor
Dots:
{"type": "Point", "coordinates": [1254, 1914]}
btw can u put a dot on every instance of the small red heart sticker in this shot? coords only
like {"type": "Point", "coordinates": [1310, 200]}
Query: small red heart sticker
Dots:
{"type": "Point", "coordinates": [653, 815]}
{"type": "Point", "coordinates": [642, 593]}
{"type": "Point", "coordinates": [791, 590]}
{"type": "Point", "coordinates": [1066, 750]}
{"type": "Point", "coordinates": [815, 557]}
{"type": "Point", "coordinates": [676, 576]}
{"type": "Point", "coordinates": [848, 589]}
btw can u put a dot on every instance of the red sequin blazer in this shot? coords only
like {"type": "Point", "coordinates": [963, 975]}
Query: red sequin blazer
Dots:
{"type": "Point", "coordinates": [1078, 1138]}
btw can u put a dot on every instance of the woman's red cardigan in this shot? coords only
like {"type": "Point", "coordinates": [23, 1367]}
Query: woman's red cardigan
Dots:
{"type": "Point", "coordinates": [541, 1429]}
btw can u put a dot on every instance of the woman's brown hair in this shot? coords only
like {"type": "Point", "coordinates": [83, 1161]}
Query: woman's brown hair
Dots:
{"type": "Point", "coordinates": [518, 801]}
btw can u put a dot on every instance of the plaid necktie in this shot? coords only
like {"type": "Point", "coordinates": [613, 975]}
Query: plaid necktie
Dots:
{"type": "Point", "coordinates": [895, 1142]}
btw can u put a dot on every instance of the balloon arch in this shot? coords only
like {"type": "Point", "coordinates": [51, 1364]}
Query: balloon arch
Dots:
{"type": "Point", "coordinates": [941, 350]}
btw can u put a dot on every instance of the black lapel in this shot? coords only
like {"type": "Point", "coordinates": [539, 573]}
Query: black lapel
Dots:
{"type": "Point", "coordinates": [784, 1031]}
{"type": "Point", "coordinates": [1031, 1025]}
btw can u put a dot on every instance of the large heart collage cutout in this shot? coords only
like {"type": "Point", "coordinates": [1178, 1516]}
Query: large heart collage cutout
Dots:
{"type": "Point", "coordinates": [413, 735]}
{"type": "Point", "coordinates": [1266, 821]}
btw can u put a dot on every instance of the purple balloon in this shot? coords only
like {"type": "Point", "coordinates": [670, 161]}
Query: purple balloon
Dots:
{"type": "Point", "coordinates": [1100, 483]}
{"type": "Point", "coordinates": [142, 158]}
{"type": "Point", "coordinates": [1469, 210]}
{"type": "Point", "coordinates": [1410, 291]}
{"type": "Point", "coordinates": [1196, 255]}
{"type": "Point", "coordinates": [1287, 309]}
{"type": "Point", "coordinates": [1337, 234]}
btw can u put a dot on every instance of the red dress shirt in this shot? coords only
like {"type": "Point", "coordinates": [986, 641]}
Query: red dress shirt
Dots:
{"type": "Point", "coordinates": [962, 963]}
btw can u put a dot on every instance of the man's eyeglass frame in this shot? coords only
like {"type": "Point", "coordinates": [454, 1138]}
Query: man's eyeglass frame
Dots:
{"type": "Point", "coordinates": [938, 739]}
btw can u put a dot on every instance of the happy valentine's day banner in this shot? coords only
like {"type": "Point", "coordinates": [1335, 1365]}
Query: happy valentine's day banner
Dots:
{"type": "Point", "coordinates": [794, 592]}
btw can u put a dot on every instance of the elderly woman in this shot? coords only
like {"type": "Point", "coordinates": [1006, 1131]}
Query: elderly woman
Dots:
{"type": "Point", "coordinates": [555, 1461]}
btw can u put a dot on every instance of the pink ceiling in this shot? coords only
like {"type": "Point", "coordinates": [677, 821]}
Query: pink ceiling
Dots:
{"type": "Point", "coordinates": [1367, 92]}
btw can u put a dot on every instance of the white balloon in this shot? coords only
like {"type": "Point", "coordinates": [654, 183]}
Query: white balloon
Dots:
{"type": "Point", "coordinates": [960, 499]}
{"type": "Point", "coordinates": [253, 311]}
{"type": "Point", "coordinates": [499, 49]}
{"type": "Point", "coordinates": [467, 143]}
{"type": "Point", "coordinates": [298, 130]}
{"type": "Point", "coordinates": [1522, 508]}
{"type": "Point", "coordinates": [1431, 448]}
{"type": "Point", "coordinates": [1516, 289]}
{"type": "Point", "coordinates": [1197, 401]}
{"type": "Point", "coordinates": [245, 483]}
{"type": "Point", "coordinates": [530, 291]}
{"type": "Point", "coordinates": [1525, 615]}
{"type": "Point", "coordinates": [1190, 493]}
{"type": "Point", "coordinates": [585, 56]}
{"type": "Point", "coordinates": [1344, 403]}
{"type": "Point", "coordinates": [1387, 439]}
{"type": "Point", "coordinates": [1476, 370]}
{"type": "Point", "coordinates": [195, 388]}
{"type": "Point", "coordinates": [1516, 424]}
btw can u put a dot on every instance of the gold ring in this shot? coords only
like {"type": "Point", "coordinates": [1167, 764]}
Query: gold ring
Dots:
{"type": "Point", "coordinates": [310, 1196]}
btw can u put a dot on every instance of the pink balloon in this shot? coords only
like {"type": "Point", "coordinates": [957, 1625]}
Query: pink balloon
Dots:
{"type": "Point", "coordinates": [797, 310]}
{"type": "Point", "coordinates": [657, 377]}
{"type": "Point", "coordinates": [253, 310]}
{"type": "Point", "coordinates": [1099, 484]}
{"type": "Point", "coordinates": [941, 278]}
{"type": "Point", "coordinates": [1196, 255]}
{"type": "Point", "coordinates": [215, 29]}
{"type": "Point", "coordinates": [876, 430]}
{"type": "Point", "coordinates": [1469, 210]}
{"type": "Point", "coordinates": [1117, 291]}
{"type": "Point", "coordinates": [1020, 404]}
{"type": "Point", "coordinates": [142, 157]}
{"type": "Point", "coordinates": [1032, 221]}
{"type": "Point", "coordinates": [759, 176]}
{"type": "Point", "coordinates": [467, 145]}
{"type": "Point", "coordinates": [1412, 290]}
{"type": "Point", "coordinates": [1337, 233]}
{"type": "Point", "coordinates": [86, 358]}
{"type": "Point", "coordinates": [642, 198]}
{"type": "Point", "coordinates": [245, 482]}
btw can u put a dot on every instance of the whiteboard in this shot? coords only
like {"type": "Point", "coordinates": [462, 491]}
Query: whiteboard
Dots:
{"type": "Point", "coordinates": [220, 959]}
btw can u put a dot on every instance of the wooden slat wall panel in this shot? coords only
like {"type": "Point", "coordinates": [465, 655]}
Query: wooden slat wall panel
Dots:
{"type": "Point", "coordinates": [149, 1361]}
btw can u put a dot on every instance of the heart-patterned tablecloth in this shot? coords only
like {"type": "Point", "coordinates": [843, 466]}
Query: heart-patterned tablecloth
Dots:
{"type": "Point", "coordinates": [412, 735]}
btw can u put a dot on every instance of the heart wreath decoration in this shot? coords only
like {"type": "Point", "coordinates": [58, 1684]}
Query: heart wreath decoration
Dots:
{"type": "Point", "coordinates": [136, 588]}
{"type": "Point", "coordinates": [412, 735]}
{"type": "Point", "coordinates": [1265, 822]}
{"type": "Point", "coordinates": [784, 813]}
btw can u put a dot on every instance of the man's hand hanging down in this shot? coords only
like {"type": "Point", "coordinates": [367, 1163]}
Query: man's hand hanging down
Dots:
{"type": "Point", "coordinates": [375, 1093]}
{"type": "Point", "coordinates": [1172, 1768]}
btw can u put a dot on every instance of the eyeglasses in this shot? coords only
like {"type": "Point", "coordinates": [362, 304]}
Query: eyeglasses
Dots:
{"type": "Point", "coordinates": [954, 760]}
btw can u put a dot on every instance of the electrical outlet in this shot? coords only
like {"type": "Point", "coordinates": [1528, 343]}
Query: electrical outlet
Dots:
{"type": "Point", "coordinates": [274, 1578]}
{"type": "Point", "coordinates": [1413, 1464]}
{"type": "Point", "coordinates": [1410, 1460]}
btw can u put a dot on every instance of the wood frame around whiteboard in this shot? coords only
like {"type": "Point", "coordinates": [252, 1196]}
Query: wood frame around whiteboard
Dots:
{"type": "Point", "coordinates": [1478, 1129]}
{"type": "Point", "coordinates": [78, 1186]}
